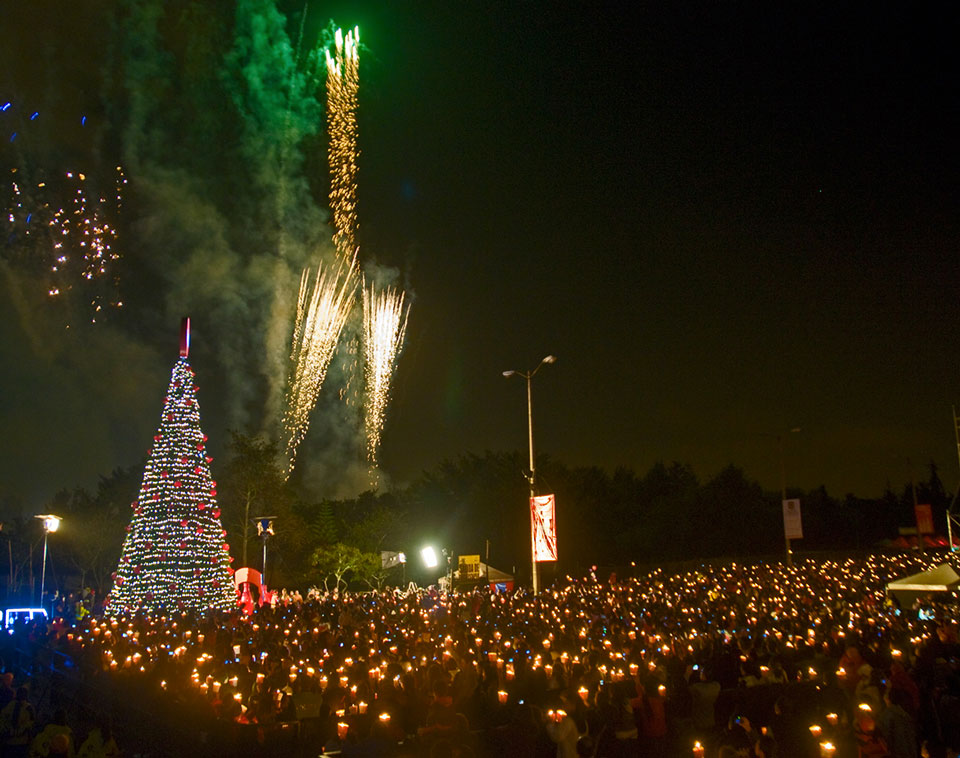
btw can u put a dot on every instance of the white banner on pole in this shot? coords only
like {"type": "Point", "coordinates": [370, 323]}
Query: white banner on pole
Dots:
{"type": "Point", "coordinates": [792, 523]}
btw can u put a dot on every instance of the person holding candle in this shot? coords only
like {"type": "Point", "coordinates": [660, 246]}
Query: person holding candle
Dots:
{"type": "Point", "coordinates": [650, 715]}
{"type": "Point", "coordinates": [562, 728]}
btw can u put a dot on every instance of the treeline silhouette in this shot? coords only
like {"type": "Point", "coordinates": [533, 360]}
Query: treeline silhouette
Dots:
{"type": "Point", "coordinates": [665, 514]}
{"type": "Point", "coordinates": [475, 504]}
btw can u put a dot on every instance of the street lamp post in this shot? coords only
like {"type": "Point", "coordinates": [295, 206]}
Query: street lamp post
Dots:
{"type": "Point", "coordinates": [50, 524]}
{"type": "Point", "coordinates": [783, 490]}
{"type": "Point", "coordinates": [528, 375]}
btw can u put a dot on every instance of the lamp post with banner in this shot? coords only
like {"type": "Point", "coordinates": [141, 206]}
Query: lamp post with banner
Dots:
{"type": "Point", "coordinates": [783, 497]}
{"type": "Point", "coordinates": [531, 478]}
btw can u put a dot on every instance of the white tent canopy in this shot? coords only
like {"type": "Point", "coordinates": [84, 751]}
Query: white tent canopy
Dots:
{"type": "Point", "coordinates": [941, 578]}
{"type": "Point", "coordinates": [494, 575]}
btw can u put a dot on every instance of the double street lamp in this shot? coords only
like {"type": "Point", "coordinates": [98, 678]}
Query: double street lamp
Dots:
{"type": "Point", "coordinates": [264, 532]}
{"type": "Point", "coordinates": [528, 375]}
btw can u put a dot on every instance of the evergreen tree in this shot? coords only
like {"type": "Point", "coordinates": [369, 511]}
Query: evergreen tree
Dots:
{"type": "Point", "coordinates": [174, 556]}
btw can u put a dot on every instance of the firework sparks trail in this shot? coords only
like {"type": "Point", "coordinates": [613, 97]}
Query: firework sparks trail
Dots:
{"type": "Point", "coordinates": [385, 315]}
{"type": "Point", "coordinates": [321, 314]}
{"type": "Point", "coordinates": [342, 85]}
{"type": "Point", "coordinates": [343, 81]}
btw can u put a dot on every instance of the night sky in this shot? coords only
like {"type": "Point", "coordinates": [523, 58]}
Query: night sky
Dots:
{"type": "Point", "coordinates": [725, 221]}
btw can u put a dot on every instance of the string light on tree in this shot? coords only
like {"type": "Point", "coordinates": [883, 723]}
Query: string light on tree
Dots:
{"type": "Point", "coordinates": [175, 556]}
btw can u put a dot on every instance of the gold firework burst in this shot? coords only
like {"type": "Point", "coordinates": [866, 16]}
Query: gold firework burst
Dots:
{"type": "Point", "coordinates": [385, 315]}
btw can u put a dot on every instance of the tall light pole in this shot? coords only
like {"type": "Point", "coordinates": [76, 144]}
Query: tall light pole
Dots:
{"type": "Point", "coordinates": [528, 375]}
{"type": "Point", "coordinates": [50, 524]}
{"type": "Point", "coordinates": [783, 489]}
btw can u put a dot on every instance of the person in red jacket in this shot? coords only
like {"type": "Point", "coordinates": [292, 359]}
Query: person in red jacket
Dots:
{"type": "Point", "coordinates": [650, 715]}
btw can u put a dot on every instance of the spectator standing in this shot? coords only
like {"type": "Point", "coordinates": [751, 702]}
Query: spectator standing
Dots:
{"type": "Point", "coordinates": [896, 726]}
{"type": "Point", "coordinates": [16, 725]}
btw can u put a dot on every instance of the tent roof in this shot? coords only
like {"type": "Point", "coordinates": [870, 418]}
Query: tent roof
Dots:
{"type": "Point", "coordinates": [495, 575]}
{"type": "Point", "coordinates": [938, 579]}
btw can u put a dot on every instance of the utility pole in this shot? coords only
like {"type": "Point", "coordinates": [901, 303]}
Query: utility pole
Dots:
{"type": "Point", "coordinates": [913, 488]}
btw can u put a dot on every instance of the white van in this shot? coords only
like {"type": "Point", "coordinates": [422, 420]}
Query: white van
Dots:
{"type": "Point", "coordinates": [12, 615]}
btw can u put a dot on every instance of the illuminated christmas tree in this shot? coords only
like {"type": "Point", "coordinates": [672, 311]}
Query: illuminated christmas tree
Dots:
{"type": "Point", "coordinates": [174, 556]}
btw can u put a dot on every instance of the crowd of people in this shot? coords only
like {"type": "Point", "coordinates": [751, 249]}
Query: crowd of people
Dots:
{"type": "Point", "coordinates": [724, 660]}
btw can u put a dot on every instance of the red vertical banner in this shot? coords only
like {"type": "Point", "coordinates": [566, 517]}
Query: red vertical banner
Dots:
{"type": "Point", "coordinates": [924, 516]}
{"type": "Point", "coordinates": [543, 520]}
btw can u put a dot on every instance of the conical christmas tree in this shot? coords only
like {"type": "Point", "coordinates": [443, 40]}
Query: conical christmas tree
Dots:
{"type": "Point", "coordinates": [174, 556]}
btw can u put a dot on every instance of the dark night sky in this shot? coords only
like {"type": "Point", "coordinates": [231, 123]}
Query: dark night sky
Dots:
{"type": "Point", "coordinates": [725, 222]}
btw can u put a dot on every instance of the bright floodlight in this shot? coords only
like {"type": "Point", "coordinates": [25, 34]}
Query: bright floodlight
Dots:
{"type": "Point", "coordinates": [50, 522]}
{"type": "Point", "coordinates": [509, 373]}
{"type": "Point", "coordinates": [402, 557]}
{"type": "Point", "coordinates": [430, 557]}
{"type": "Point", "coordinates": [550, 359]}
